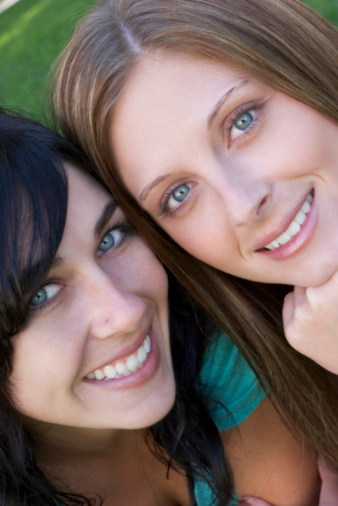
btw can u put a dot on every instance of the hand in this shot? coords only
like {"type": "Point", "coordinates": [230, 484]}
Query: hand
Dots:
{"type": "Point", "coordinates": [328, 494]}
{"type": "Point", "coordinates": [311, 322]}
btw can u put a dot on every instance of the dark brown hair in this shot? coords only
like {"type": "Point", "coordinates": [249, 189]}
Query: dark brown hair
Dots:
{"type": "Point", "coordinates": [284, 44]}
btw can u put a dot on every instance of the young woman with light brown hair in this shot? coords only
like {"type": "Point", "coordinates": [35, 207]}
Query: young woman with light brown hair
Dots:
{"type": "Point", "coordinates": [160, 50]}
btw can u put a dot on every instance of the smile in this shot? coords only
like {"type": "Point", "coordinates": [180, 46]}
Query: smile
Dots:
{"type": "Point", "coordinates": [123, 368]}
{"type": "Point", "coordinates": [294, 227]}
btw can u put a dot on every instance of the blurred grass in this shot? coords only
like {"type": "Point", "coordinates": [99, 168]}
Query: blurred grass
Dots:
{"type": "Point", "coordinates": [327, 8]}
{"type": "Point", "coordinates": [32, 33]}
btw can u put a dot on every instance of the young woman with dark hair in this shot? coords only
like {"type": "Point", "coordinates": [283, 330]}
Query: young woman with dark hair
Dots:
{"type": "Point", "coordinates": [215, 123]}
{"type": "Point", "coordinates": [97, 406]}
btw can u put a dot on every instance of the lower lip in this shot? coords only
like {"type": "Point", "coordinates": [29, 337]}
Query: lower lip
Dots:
{"type": "Point", "coordinates": [299, 241]}
{"type": "Point", "coordinates": [135, 379]}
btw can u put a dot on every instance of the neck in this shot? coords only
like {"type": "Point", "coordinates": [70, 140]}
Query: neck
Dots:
{"type": "Point", "coordinates": [105, 463]}
{"type": "Point", "coordinates": [85, 461]}
{"type": "Point", "coordinates": [49, 438]}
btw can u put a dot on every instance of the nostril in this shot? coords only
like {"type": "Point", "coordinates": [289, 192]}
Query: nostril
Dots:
{"type": "Point", "coordinates": [261, 205]}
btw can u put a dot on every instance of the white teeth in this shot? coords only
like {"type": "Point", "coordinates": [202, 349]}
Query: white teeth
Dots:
{"type": "Point", "coordinates": [121, 368]}
{"type": "Point", "coordinates": [99, 375]}
{"type": "Point", "coordinates": [284, 238]}
{"type": "Point", "coordinates": [133, 362]}
{"type": "Point", "coordinates": [307, 206]}
{"type": "Point", "coordinates": [300, 218]}
{"type": "Point", "coordinates": [294, 227]}
{"type": "Point", "coordinates": [110, 371]}
{"type": "Point", "coordinates": [141, 354]}
{"type": "Point", "coordinates": [147, 344]}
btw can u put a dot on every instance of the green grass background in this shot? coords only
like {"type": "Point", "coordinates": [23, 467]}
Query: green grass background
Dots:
{"type": "Point", "coordinates": [32, 33]}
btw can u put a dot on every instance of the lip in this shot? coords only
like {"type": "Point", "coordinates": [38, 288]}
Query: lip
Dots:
{"type": "Point", "coordinates": [298, 241]}
{"type": "Point", "coordinates": [137, 378]}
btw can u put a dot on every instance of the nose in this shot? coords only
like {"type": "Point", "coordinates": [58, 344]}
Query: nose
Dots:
{"type": "Point", "coordinates": [112, 309]}
{"type": "Point", "coordinates": [245, 200]}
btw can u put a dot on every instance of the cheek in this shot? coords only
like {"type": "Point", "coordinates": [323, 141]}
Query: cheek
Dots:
{"type": "Point", "coordinates": [204, 231]}
{"type": "Point", "coordinates": [45, 357]}
{"type": "Point", "coordinates": [152, 278]}
{"type": "Point", "coordinates": [297, 141]}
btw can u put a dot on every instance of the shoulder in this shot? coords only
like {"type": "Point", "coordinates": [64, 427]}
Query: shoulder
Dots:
{"type": "Point", "coordinates": [231, 388]}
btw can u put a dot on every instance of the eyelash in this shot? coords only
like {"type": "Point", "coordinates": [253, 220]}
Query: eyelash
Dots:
{"type": "Point", "coordinates": [126, 228]}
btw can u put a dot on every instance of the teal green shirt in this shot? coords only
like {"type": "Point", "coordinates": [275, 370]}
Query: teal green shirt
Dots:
{"type": "Point", "coordinates": [226, 379]}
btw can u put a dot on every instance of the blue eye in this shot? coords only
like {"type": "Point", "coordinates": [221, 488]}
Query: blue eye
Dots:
{"type": "Point", "coordinates": [177, 196]}
{"type": "Point", "coordinates": [181, 192]}
{"type": "Point", "coordinates": [111, 240]}
{"type": "Point", "coordinates": [44, 294]}
{"type": "Point", "coordinates": [244, 121]}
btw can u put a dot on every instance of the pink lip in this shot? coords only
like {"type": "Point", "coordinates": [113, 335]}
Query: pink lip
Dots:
{"type": "Point", "coordinates": [299, 241]}
{"type": "Point", "coordinates": [135, 379]}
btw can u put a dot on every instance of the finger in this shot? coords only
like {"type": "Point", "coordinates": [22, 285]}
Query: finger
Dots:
{"type": "Point", "coordinates": [317, 295]}
{"type": "Point", "coordinates": [293, 301]}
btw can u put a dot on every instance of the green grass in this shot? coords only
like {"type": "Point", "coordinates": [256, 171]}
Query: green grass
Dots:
{"type": "Point", "coordinates": [32, 33]}
{"type": "Point", "coordinates": [327, 8]}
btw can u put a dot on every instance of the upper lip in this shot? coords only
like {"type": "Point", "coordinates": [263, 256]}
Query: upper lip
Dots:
{"type": "Point", "coordinates": [282, 226]}
{"type": "Point", "coordinates": [127, 350]}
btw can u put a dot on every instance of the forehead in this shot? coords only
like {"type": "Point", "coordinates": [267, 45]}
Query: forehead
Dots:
{"type": "Point", "coordinates": [87, 200]}
{"type": "Point", "coordinates": [166, 98]}
{"type": "Point", "coordinates": [168, 82]}
{"type": "Point", "coordinates": [84, 190]}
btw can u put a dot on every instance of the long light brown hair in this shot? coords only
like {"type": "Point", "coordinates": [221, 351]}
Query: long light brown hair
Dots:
{"type": "Point", "coordinates": [284, 44]}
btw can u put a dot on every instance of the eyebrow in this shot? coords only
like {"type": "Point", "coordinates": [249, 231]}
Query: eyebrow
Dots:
{"type": "Point", "coordinates": [144, 193]}
{"type": "Point", "coordinates": [106, 214]}
{"type": "Point", "coordinates": [101, 223]}
{"type": "Point", "coordinates": [56, 262]}
{"type": "Point", "coordinates": [223, 100]}
{"type": "Point", "coordinates": [147, 189]}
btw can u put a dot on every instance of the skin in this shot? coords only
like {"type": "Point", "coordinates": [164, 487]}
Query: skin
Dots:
{"type": "Point", "coordinates": [224, 164]}
{"type": "Point", "coordinates": [105, 292]}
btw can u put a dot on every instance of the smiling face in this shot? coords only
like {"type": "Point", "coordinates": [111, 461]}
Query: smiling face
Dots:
{"type": "Point", "coordinates": [241, 176]}
{"type": "Point", "coordinates": [95, 353]}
